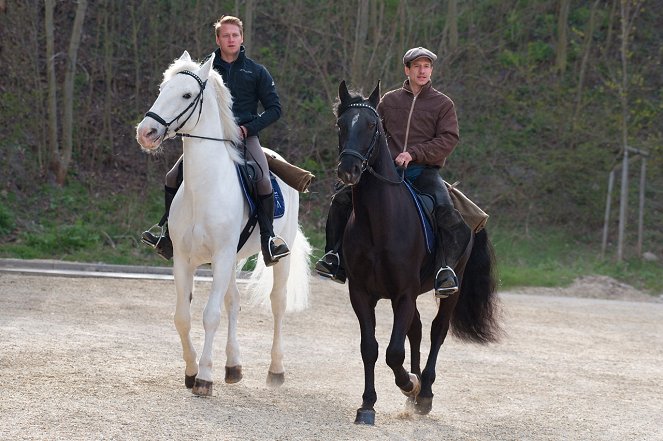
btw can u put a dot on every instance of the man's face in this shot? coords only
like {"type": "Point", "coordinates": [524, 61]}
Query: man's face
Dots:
{"type": "Point", "coordinates": [419, 71]}
{"type": "Point", "coordinates": [229, 39]}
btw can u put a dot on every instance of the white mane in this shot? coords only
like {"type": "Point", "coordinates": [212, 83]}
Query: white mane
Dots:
{"type": "Point", "coordinates": [223, 98]}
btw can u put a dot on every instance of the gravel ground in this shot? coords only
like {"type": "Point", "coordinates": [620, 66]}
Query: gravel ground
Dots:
{"type": "Point", "coordinates": [88, 358]}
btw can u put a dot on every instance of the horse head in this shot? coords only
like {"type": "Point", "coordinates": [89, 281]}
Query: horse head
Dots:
{"type": "Point", "coordinates": [359, 129]}
{"type": "Point", "coordinates": [179, 104]}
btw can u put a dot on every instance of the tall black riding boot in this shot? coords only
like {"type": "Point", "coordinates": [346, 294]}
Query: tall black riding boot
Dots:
{"type": "Point", "coordinates": [157, 236]}
{"type": "Point", "coordinates": [273, 247]}
{"type": "Point", "coordinates": [453, 235]}
{"type": "Point", "coordinates": [331, 264]}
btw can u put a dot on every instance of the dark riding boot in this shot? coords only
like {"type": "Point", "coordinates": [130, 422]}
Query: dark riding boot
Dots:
{"type": "Point", "coordinates": [273, 247]}
{"type": "Point", "coordinates": [157, 236]}
{"type": "Point", "coordinates": [330, 264]}
{"type": "Point", "coordinates": [453, 235]}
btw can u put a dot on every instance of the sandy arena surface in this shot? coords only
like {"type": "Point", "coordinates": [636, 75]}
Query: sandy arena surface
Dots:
{"type": "Point", "coordinates": [84, 359]}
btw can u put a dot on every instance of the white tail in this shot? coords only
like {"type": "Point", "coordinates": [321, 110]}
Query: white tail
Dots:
{"type": "Point", "coordinates": [260, 282]}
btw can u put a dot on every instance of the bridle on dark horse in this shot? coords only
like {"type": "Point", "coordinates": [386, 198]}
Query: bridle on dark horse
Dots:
{"type": "Point", "coordinates": [191, 108]}
{"type": "Point", "coordinates": [366, 160]}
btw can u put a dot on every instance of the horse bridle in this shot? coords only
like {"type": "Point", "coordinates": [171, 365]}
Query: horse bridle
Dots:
{"type": "Point", "coordinates": [365, 160]}
{"type": "Point", "coordinates": [192, 106]}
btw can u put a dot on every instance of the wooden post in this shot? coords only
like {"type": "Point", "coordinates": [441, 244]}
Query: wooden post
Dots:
{"type": "Point", "coordinates": [641, 213]}
{"type": "Point", "coordinates": [623, 204]}
{"type": "Point", "coordinates": [606, 220]}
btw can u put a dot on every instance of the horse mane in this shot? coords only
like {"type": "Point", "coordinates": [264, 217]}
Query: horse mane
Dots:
{"type": "Point", "coordinates": [223, 98]}
{"type": "Point", "coordinates": [355, 98]}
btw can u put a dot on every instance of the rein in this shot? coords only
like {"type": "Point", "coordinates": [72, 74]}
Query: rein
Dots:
{"type": "Point", "coordinates": [365, 160]}
{"type": "Point", "coordinates": [197, 100]}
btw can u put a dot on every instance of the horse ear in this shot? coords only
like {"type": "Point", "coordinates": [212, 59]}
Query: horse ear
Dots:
{"type": "Point", "coordinates": [206, 68]}
{"type": "Point", "coordinates": [374, 99]}
{"type": "Point", "coordinates": [185, 56]}
{"type": "Point", "coordinates": [343, 93]}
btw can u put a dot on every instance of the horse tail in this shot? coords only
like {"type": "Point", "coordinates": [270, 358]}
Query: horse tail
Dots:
{"type": "Point", "coordinates": [297, 288]}
{"type": "Point", "coordinates": [476, 316]}
{"type": "Point", "coordinates": [300, 273]}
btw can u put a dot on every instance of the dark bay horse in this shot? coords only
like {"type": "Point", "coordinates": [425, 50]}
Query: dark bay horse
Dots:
{"type": "Point", "coordinates": [386, 258]}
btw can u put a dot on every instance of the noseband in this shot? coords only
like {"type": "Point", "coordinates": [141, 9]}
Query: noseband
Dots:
{"type": "Point", "coordinates": [192, 106]}
{"type": "Point", "coordinates": [365, 160]}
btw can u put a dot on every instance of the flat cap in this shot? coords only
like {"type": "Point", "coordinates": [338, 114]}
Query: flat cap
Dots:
{"type": "Point", "coordinates": [417, 52]}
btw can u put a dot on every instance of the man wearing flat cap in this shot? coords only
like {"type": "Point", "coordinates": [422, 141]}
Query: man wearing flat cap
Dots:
{"type": "Point", "coordinates": [422, 131]}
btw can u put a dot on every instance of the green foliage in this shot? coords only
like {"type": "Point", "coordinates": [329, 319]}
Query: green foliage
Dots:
{"type": "Point", "coordinates": [7, 222]}
{"type": "Point", "coordinates": [552, 257]}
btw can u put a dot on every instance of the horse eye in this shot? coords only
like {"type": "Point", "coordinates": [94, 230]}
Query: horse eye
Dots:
{"type": "Point", "coordinates": [187, 96]}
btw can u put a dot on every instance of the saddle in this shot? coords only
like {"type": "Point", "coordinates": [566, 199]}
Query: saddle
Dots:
{"type": "Point", "coordinates": [425, 204]}
{"type": "Point", "coordinates": [471, 213]}
{"type": "Point", "coordinates": [246, 173]}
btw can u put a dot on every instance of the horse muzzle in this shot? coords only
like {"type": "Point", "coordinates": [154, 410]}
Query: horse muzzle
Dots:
{"type": "Point", "coordinates": [349, 170]}
{"type": "Point", "coordinates": [149, 135]}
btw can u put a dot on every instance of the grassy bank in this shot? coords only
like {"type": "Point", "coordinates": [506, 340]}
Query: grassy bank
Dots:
{"type": "Point", "coordinates": [74, 225]}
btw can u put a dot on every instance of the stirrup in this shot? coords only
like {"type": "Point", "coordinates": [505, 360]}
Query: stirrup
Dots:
{"type": "Point", "coordinates": [277, 246]}
{"type": "Point", "coordinates": [153, 235]}
{"type": "Point", "coordinates": [324, 267]}
{"type": "Point", "coordinates": [442, 292]}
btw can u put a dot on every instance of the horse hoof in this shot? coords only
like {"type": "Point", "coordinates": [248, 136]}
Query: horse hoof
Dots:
{"type": "Point", "coordinates": [410, 404]}
{"type": "Point", "coordinates": [233, 374]}
{"type": "Point", "coordinates": [423, 405]}
{"type": "Point", "coordinates": [416, 387]}
{"type": "Point", "coordinates": [202, 388]}
{"type": "Point", "coordinates": [189, 381]}
{"type": "Point", "coordinates": [275, 380]}
{"type": "Point", "coordinates": [365, 416]}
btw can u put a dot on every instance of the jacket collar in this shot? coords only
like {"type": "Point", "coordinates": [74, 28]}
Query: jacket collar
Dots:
{"type": "Point", "coordinates": [424, 88]}
{"type": "Point", "coordinates": [240, 57]}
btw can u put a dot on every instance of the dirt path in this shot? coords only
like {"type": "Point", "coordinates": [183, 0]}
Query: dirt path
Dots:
{"type": "Point", "coordinates": [100, 359]}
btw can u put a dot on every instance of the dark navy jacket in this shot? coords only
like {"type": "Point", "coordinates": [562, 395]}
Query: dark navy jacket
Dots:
{"type": "Point", "coordinates": [249, 83]}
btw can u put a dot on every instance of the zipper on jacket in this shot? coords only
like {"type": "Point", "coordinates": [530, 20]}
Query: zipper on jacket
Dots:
{"type": "Point", "coordinates": [409, 117]}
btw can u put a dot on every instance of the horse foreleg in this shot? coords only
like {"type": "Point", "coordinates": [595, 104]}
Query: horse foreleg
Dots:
{"type": "Point", "coordinates": [278, 298]}
{"type": "Point", "coordinates": [233, 359]}
{"type": "Point", "coordinates": [365, 313]}
{"type": "Point", "coordinates": [438, 332]}
{"type": "Point", "coordinates": [183, 275]}
{"type": "Point", "coordinates": [404, 309]}
{"type": "Point", "coordinates": [222, 269]}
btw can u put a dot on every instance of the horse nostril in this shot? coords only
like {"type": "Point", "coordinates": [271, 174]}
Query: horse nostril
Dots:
{"type": "Point", "coordinates": [151, 133]}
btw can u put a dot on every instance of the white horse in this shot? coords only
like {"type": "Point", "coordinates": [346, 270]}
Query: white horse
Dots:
{"type": "Point", "coordinates": [208, 215]}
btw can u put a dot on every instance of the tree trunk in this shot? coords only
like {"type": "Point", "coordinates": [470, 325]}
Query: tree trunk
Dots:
{"type": "Point", "coordinates": [361, 31]}
{"type": "Point", "coordinates": [68, 92]}
{"type": "Point", "coordinates": [54, 151]}
{"type": "Point", "coordinates": [589, 33]}
{"type": "Point", "coordinates": [452, 22]}
{"type": "Point", "coordinates": [248, 25]}
{"type": "Point", "coordinates": [562, 35]}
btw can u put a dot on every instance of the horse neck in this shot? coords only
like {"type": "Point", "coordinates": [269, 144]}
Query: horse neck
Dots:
{"type": "Point", "coordinates": [372, 191]}
{"type": "Point", "coordinates": [207, 161]}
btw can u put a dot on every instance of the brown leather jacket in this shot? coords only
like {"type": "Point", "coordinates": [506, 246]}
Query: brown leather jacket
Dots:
{"type": "Point", "coordinates": [433, 132]}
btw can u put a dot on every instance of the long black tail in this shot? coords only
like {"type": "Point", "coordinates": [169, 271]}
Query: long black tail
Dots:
{"type": "Point", "coordinates": [477, 313]}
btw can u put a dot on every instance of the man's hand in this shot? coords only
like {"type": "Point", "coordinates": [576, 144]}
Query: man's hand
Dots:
{"type": "Point", "coordinates": [403, 159]}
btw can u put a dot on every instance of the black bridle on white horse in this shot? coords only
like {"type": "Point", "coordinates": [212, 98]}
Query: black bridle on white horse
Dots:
{"type": "Point", "coordinates": [366, 160]}
{"type": "Point", "coordinates": [192, 107]}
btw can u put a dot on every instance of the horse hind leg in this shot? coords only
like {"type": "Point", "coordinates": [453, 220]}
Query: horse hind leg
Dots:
{"type": "Point", "coordinates": [438, 333]}
{"type": "Point", "coordinates": [233, 358]}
